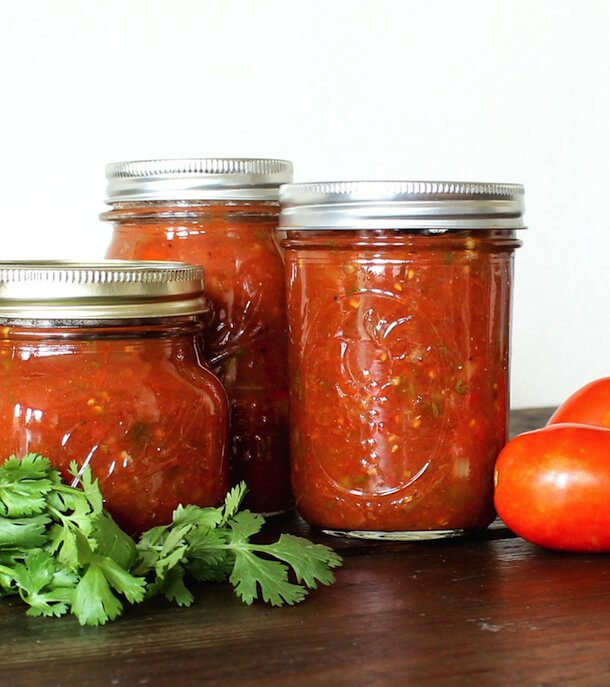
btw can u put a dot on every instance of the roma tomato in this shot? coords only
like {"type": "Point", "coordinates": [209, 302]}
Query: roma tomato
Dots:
{"type": "Point", "coordinates": [588, 406]}
{"type": "Point", "coordinates": [552, 487]}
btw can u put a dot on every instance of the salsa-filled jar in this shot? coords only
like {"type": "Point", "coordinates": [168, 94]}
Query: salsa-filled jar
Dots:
{"type": "Point", "coordinates": [102, 364]}
{"type": "Point", "coordinates": [223, 213]}
{"type": "Point", "coordinates": [398, 307]}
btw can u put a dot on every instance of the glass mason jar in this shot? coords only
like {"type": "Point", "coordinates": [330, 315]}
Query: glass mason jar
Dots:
{"type": "Point", "coordinates": [223, 213]}
{"type": "Point", "coordinates": [398, 308]}
{"type": "Point", "coordinates": [102, 364]}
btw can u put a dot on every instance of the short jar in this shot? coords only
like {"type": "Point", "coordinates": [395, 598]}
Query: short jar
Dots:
{"type": "Point", "coordinates": [223, 213]}
{"type": "Point", "coordinates": [399, 309]}
{"type": "Point", "coordinates": [102, 364]}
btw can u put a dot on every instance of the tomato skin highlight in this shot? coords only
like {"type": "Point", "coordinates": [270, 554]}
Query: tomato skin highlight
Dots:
{"type": "Point", "coordinates": [587, 406]}
{"type": "Point", "coordinates": [553, 487]}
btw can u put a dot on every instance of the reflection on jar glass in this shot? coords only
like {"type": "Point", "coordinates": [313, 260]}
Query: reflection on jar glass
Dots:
{"type": "Point", "coordinates": [399, 309]}
{"type": "Point", "coordinates": [102, 364]}
{"type": "Point", "coordinates": [223, 213]}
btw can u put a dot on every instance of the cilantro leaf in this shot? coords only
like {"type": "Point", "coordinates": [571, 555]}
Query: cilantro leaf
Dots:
{"type": "Point", "coordinates": [174, 589]}
{"type": "Point", "coordinates": [71, 510]}
{"type": "Point", "coordinates": [202, 571]}
{"type": "Point", "coordinates": [233, 501]}
{"type": "Point", "coordinates": [90, 487]}
{"type": "Point", "coordinates": [93, 602]}
{"type": "Point", "coordinates": [62, 543]}
{"type": "Point", "coordinates": [250, 572]}
{"type": "Point", "coordinates": [131, 587]}
{"type": "Point", "coordinates": [195, 515]}
{"type": "Point", "coordinates": [246, 524]}
{"type": "Point", "coordinates": [9, 557]}
{"type": "Point", "coordinates": [71, 545]}
{"type": "Point", "coordinates": [159, 558]}
{"type": "Point", "coordinates": [111, 541]}
{"type": "Point", "coordinates": [44, 584]}
{"type": "Point", "coordinates": [52, 603]}
{"type": "Point", "coordinates": [24, 533]}
{"type": "Point", "coordinates": [24, 484]}
{"type": "Point", "coordinates": [311, 562]}
{"type": "Point", "coordinates": [209, 555]}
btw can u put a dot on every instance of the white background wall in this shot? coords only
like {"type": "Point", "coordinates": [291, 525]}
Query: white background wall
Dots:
{"type": "Point", "coordinates": [469, 90]}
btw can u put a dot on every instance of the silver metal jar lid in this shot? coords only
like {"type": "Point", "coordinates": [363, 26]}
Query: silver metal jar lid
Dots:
{"type": "Point", "coordinates": [106, 290]}
{"type": "Point", "coordinates": [416, 205]}
{"type": "Point", "coordinates": [219, 178]}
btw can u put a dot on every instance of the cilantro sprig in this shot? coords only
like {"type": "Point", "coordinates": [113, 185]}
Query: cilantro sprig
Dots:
{"type": "Point", "coordinates": [62, 552]}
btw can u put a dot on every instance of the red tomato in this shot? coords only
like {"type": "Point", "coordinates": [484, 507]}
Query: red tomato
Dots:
{"type": "Point", "coordinates": [588, 406]}
{"type": "Point", "coordinates": [553, 487]}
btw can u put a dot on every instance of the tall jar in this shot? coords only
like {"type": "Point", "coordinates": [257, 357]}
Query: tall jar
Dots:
{"type": "Point", "coordinates": [223, 213]}
{"type": "Point", "coordinates": [102, 364]}
{"type": "Point", "coordinates": [399, 310]}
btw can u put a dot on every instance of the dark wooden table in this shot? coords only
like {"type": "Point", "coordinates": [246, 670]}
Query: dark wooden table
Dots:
{"type": "Point", "coordinates": [488, 611]}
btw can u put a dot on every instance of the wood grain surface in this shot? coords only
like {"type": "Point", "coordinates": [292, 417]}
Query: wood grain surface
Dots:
{"type": "Point", "coordinates": [488, 610]}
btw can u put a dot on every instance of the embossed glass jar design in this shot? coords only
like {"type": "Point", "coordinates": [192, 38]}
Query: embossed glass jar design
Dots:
{"type": "Point", "coordinates": [223, 213]}
{"type": "Point", "coordinates": [398, 308]}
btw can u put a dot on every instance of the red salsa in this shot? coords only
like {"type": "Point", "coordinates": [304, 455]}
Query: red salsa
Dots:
{"type": "Point", "coordinates": [399, 376]}
{"type": "Point", "coordinates": [246, 338]}
{"type": "Point", "coordinates": [134, 400]}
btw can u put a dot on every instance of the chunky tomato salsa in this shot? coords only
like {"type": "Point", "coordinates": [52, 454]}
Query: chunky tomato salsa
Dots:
{"type": "Point", "coordinates": [399, 362]}
{"type": "Point", "coordinates": [137, 406]}
{"type": "Point", "coordinates": [246, 340]}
